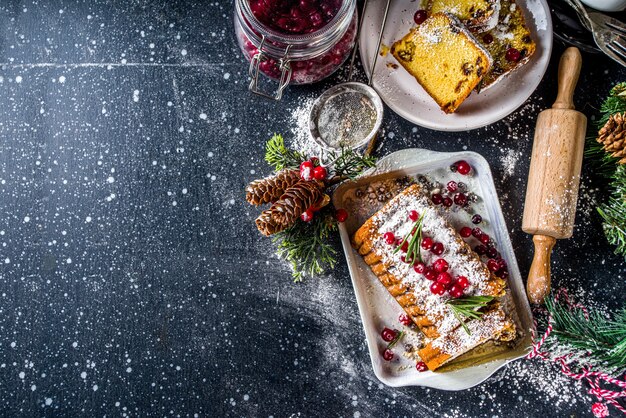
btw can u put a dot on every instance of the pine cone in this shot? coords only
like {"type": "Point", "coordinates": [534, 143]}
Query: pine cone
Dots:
{"type": "Point", "coordinates": [267, 225]}
{"type": "Point", "coordinates": [613, 136]}
{"type": "Point", "coordinates": [271, 188]}
{"type": "Point", "coordinates": [295, 201]}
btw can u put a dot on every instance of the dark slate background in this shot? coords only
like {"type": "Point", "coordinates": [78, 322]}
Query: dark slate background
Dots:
{"type": "Point", "coordinates": [132, 279]}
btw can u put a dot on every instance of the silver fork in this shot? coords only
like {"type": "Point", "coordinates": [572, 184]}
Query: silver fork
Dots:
{"type": "Point", "coordinates": [608, 33]}
{"type": "Point", "coordinates": [611, 37]}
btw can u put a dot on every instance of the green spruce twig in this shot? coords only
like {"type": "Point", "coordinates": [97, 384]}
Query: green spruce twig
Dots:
{"type": "Point", "coordinates": [348, 164]}
{"type": "Point", "coordinates": [306, 245]}
{"type": "Point", "coordinates": [594, 151]}
{"type": "Point", "coordinates": [589, 339]}
{"type": "Point", "coordinates": [613, 211]}
{"type": "Point", "coordinates": [279, 156]}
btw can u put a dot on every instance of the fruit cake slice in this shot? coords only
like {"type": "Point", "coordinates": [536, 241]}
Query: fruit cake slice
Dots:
{"type": "Point", "coordinates": [445, 59]}
{"type": "Point", "coordinates": [477, 15]}
{"type": "Point", "coordinates": [510, 44]}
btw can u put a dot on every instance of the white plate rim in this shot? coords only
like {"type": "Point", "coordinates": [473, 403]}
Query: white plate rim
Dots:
{"type": "Point", "coordinates": [535, 70]}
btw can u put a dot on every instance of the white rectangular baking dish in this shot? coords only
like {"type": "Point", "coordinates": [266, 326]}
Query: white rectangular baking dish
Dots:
{"type": "Point", "coordinates": [378, 309]}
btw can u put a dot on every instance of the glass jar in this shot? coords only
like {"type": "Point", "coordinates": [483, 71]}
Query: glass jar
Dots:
{"type": "Point", "coordinates": [294, 41]}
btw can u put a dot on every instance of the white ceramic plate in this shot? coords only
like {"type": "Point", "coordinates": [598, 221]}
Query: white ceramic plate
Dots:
{"type": "Point", "coordinates": [378, 309]}
{"type": "Point", "coordinates": [403, 94]}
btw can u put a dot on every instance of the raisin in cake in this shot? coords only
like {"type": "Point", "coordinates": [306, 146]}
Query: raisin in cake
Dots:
{"type": "Point", "coordinates": [448, 338]}
{"type": "Point", "coordinates": [477, 15]}
{"type": "Point", "coordinates": [445, 59]}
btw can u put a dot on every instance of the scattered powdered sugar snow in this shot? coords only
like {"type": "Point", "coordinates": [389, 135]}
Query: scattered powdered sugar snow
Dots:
{"type": "Point", "coordinates": [301, 137]}
{"type": "Point", "coordinates": [509, 160]}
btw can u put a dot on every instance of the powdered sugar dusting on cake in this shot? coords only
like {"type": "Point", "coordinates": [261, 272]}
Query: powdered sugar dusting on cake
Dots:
{"type": "Point", "coordinates": [460, 259]}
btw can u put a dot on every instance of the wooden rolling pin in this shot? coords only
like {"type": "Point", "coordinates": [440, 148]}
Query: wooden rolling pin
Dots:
{"type": "Point", "coordinates": [554, 176]}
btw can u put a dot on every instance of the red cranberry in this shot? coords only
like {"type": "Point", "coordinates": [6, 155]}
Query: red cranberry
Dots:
{"type": "Point", "coordinates": [484, 238]}
{"type": "Point", "coordinates": [437, 288]}
{"type": "Point", "coordinates": [463, 282]}
{"type": "Point", "coordinates": [405, 246]}
{"type": "Point", "coordinates": [492, 252]}
{"type": "Point", "coordinates": [480, 249]}
{"type": "Point", "coordinates": [420, 16]}
{"type": "Point", "coordinates": [307, 215]}
{"type": "Point", "coordinates": [389, 237]}
{"type": "Point", "coordinates": [419, 267]}
{"type": "Point", "coordinates": [440, 265]}
{"type": "Point", "coordinates": [445, 279]}
{"type": "Point", "coordinates": [436, 198]}
{"type": "Point", "coordinates": [477, 232]}
{"type": "Point", "coordinates": [452, 186]}
{"type": "Point", "coordinates": [502, 273]}
{"type": "Point", "coordinates": [476, 219]}
{"type": "Point", "coordinates": [447, 202]}
{"type": "Point", "coordinates": [341, 215]}
{"type": "Point", "coordinates": [388, 334]}
{"type": "Point", "coordinates": [463, 167]}
{"type": "Point", "coordinates": [456, 291]}
{"type": "Point", "coordinates": [405, 320]}
{"type": "Point", "coordinates": [315, 161]}
{"type": "Point", "coordinates": [502, 264]}
{"type": "Point", "coordinates": [487, 38]}
{"type": "Point", "coordinates": [414, 216]}
{"type": "Point", "coordinates": [320, 173]}
{"type": "Point", "coordinates": [513, 55]}
{"type": "Point", "coordinates": [427, 243]}
{"type": "Point", "coordinates": [493, 265]}
{"type": "Point", "coordinates": [306, 170]}
{"type": "Point", "coordinates": [430, 274]}
{"type": "Point", "coordinates": [465, 232]}
{"type": "Point", "coordinates": [421, 366]}
{"type": "Point", "coordinates": [437, 248]}
{"type": "Point", "coordinates": [388, 354]}
{"type": "Point", "coordinates": [460, 199]}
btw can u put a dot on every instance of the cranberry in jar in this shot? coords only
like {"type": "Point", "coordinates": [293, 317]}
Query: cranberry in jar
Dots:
{"type": "Point", "coordinates": [295, 41]}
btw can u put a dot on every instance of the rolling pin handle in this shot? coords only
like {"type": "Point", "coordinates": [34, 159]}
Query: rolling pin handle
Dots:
{"type": "Point", "coordinates": [569, 70]}
{"type": "Point", "coordinates": [538, 285]}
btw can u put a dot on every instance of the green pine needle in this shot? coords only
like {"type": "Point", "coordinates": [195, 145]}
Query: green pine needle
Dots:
{"type": "Point", "coordinates": [306, 245]}
{"type": "Point", "coordinates": [349, 163]}
{"type": "Point", "coordinates": [613, 212]}
{"type": "Point", "coordinates": [279, 156]}
{"type": "Point", "coordinates": [614, 103]}
{"type": "Point", "coordinates": [594, 341]}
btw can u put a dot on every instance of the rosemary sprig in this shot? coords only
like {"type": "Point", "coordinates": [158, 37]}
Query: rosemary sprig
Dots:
{"type": "Point", "coordinates": [414, 237]}
{"type": "Point", "coordinates": [395, 340]}
{"type": "Point", "coordinates": [467, 307]}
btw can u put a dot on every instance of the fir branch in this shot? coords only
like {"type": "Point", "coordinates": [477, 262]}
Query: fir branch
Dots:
{"type": "Point", "coordinates": [613, 212]}
{"type": "Point", "coordinates": [604, 163]}
{"type": "Point", "coordinates": [305, 245]}
{"type": "Point", "coordinates": [468, 307]}
{"type": "Point", "coordinates": [594, 151]}
{"type": "Point", "coordinates": [349, 164]}
{"type": "Point", "coordinates": [590, 340]}
{"type": "Point", "coordinates": [278, 155]}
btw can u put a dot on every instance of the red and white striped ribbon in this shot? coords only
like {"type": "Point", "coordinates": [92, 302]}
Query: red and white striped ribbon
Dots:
{"type": "Point", "coordinates": [593, 378]}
